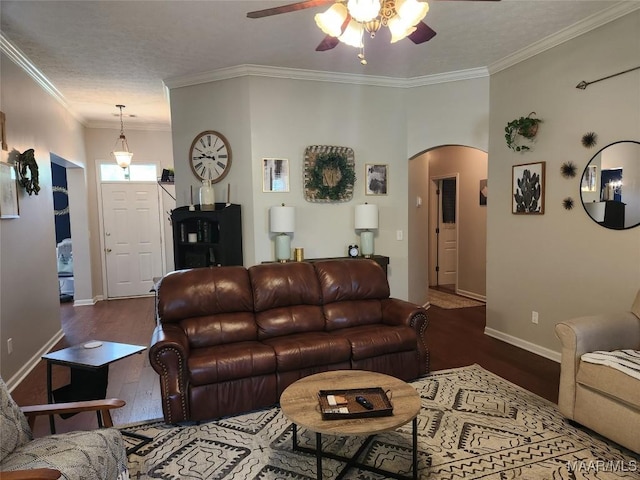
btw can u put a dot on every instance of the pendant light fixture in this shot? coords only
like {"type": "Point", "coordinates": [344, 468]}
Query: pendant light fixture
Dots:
{"type": "Point", "coordinates": [121, 150]}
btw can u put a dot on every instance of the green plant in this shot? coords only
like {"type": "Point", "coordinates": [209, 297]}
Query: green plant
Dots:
{"type": "Point", "coordinates": [526, 127]}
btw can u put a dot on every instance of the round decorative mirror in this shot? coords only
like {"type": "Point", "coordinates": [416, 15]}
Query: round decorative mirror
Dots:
{"type": "Point", "coordinates": [610, 187]}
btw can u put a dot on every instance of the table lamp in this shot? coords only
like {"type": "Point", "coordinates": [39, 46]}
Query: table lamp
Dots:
{"type": "Point", "coordinates": [282, 221]}
{"type": "Point", "coordinates": [366, 220]}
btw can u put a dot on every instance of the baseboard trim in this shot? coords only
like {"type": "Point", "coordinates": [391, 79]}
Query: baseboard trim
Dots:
{"type": "Point", "coordinates": [474, 296]}
{"type": "Point", "coordinates": [528, 346]}
{"type": "Point", "coordinates": [20, 375]}
{"type": "Point", "coordinates": [87, 301]}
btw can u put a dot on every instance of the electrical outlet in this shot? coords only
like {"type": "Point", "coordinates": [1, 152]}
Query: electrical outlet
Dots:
{"type": "Point", "coordinates": [534, 317]}
{"type": "Point", "coordinates": [9, 346]}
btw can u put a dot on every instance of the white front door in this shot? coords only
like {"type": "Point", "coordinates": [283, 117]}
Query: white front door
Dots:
{"type": "Point", "coordinates": [132, 239]}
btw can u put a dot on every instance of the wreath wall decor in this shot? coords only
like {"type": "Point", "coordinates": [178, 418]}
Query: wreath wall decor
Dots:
{"type": "Point", "coordinates": [329, 173]}
{"type": "Point", "coordinates": [65, 192]}
{"type": "Point", "coordinates": [28, 175]}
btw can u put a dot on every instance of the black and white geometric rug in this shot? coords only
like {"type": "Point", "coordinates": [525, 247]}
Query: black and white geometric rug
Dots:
{"type": "Point", "coordinates": [473, 424]}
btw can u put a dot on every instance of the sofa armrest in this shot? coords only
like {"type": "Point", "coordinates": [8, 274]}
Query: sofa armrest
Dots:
{"type": "Point", "coordinates": [400, 312]}
{"type": "Point", "coordinates": [614, 331]}
{"type": "Point", "coordinates": [168, 355]}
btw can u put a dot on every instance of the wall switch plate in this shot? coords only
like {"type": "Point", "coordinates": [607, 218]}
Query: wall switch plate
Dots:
{"type": "Point", "coordinates": [399, 235]}
{"type": "Point", "coordinates": [534, 317]}
{"type": "Point", "coordinates": [9, 346]}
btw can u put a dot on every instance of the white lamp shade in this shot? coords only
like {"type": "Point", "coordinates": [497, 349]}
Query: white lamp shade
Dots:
{"type": "Point", "coordinates": [330, 22]}
{"type": "Point", "coordinates": [282, 219]}
{"type": "Point", "coordinates": [123, 159]}
{"type": "Point", "coordinates": [366, 216]}
{"type": "Point", "coordinates": [411, 11]}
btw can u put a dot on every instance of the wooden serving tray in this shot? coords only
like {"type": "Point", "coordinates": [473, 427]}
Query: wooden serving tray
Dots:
{"type": "Point", "coordinates": [377, 396]}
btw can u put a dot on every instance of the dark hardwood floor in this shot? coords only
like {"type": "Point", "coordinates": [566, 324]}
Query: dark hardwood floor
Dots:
{"type": "Point", "coordinates": [455, 338]}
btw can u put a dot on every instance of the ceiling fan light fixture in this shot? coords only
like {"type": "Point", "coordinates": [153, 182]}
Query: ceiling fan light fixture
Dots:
{"type": "Point", "coordinates": [352, 35]}
{"type": "Point", "coordinates": [411, 11]}
{"type": "Point", "coordinates": [330, 21]}
{"type": "Point", "coordinates": [372, 26]}
{"type": "Point", "coordinates": [121, 151]}
{"type": "Point", "coordinates": [399, 28]}
{"type": "Point", "coordinates": [363, 10]}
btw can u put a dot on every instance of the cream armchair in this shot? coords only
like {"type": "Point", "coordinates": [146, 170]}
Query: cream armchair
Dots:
{"type": "Point", "coordinates": [601, 397]}
{"type": "Point", "coordinates": [97, 454]}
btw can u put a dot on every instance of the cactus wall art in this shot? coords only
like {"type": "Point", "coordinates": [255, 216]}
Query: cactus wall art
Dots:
{"type": "Point", "coordinates": [528, 188]}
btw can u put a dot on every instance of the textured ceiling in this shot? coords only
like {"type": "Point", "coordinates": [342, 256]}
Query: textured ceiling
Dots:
{"type": "Point", "coordinates": [101, 53]}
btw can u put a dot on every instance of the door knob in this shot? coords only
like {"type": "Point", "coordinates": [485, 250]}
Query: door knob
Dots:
{"type": "Point", "coordinates": [108, 250]}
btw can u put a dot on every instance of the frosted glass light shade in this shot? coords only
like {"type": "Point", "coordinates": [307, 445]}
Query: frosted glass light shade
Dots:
{"type": "Point", "coordinates": [352, 35]}
{"type": "Point", "coordinates": [411, 11]}
{"type": "Point", "coordinates": [399, 28]}
{"type": "Point", "coordinates": [366, 216]}
{"type": "Point", "coordinates": [123, 158]}
{"type": "Point", "coordinates": [330, 22]}
{"type": "Point", "coordinates": [364, 10]}
{"type": "Point", "coordinates": [282, 219]}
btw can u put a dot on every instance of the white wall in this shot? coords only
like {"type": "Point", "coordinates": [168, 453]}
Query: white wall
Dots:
{"type": "Point", "coordinates": [266, 117]}
{"type": "Point", "coordinates": [561, 264]}
{"type": "Point", "coordinates": [29, 296]}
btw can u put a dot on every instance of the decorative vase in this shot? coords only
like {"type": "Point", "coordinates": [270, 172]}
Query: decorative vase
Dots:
{"type": "Point", "coordinates": [207, 197]}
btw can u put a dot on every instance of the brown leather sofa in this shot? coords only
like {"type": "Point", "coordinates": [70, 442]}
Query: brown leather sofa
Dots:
{"type": "Point", "coordinates": [231, 339]}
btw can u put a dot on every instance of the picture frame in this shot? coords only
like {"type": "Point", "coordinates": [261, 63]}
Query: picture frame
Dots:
{"type": "Point", "coordinates": [376, 179]}
{"type": "Point", "coordinates": [328, 173]}
{"type": "Point", "coordinates": [527, 196]}
{"type": "Point", "coordinates": [9, 207]}
{"type": "Point", "coordinates": [275, 175]}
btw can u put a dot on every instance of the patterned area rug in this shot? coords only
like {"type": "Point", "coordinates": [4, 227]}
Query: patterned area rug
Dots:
{"type": "Point", "coordinates": [448, 300]}
{"type": "Point", "coordinates": [473, 425]}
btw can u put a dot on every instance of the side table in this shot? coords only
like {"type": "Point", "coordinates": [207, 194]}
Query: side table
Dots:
{"type": "Point", "coordinates": [89, 372]}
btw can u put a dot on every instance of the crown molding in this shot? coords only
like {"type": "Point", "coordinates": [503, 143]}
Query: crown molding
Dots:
{"type": "Point", "coordinates": [319, 76]}
{"type": "Point", "coordinates": [21, 60]}
{"type": "Point", "coordinates": [590, 23]}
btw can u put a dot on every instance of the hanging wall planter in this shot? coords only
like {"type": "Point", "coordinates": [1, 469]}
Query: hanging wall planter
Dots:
{"type": "Point", "coordinates": [523, 127]}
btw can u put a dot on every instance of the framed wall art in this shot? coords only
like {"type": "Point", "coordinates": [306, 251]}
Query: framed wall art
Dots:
{"type": "Point", "coordinates": [275, 175]}
{"type": "Point", "coordinates": [528, 188]}
{"type": "Point", "coordinates": [329, 173]}
{"type": "Point", "coordinates": [8, 192]}
{"type": "Point", "coordinates": [3, 133]}
{"type": "Point", "coordinates": [377, 179]}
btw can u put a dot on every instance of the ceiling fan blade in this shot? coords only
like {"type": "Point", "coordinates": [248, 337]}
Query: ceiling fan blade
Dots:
{"type": "Point", "coordinates": [422, 34]}
{"type": "Point", "coordinates": [288, 8]}
{"type": "Point", "coordinates": [327, 43]}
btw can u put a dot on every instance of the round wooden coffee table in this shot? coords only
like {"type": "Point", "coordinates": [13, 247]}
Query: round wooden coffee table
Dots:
{"type": "Point", "coordinates": [299, 403]}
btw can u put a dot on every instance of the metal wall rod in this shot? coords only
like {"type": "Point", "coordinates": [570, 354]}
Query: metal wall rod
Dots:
{"type": "Point", "coordinates": [582, 85]}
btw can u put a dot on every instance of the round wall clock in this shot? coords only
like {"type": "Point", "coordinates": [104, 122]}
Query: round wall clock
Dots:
{"type": "Point", "coordinates": [210, 156]}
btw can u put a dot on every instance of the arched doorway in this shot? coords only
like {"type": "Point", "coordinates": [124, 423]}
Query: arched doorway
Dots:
{"type": "Point", "coordinates": [468, 166]}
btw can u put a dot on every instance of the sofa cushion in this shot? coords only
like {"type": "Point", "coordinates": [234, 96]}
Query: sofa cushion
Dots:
{"type": "Point", "coordinates": [352, 314]}
{"type": "Point", "coordinates": [98, 454]}
{"type": "Point", "coordinates": [302, 350]}
{"type": "Point", "coordinates": [353, 279]}
{"type": "Point", "coordinates": [204, 292]}
{"type": "Point", "coordinates": [284, 284]}
{"type": "Point", "coordinates": [288, 320]}
{"type": "Point", "coordinates": [610, 382]}
{"type": "Point", "coordinates": [230, 362]}
{"type": "Point", "coordinates": [211, 330]}
{"type": "Point", "coordinates": [374, 340]}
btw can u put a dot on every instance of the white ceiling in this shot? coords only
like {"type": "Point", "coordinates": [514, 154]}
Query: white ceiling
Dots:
{"type": "Point", "coordinates": [102, 53]}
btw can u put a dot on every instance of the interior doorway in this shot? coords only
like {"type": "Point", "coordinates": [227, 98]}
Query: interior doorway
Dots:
{"type": "Point", "coordinates": [443, 236]}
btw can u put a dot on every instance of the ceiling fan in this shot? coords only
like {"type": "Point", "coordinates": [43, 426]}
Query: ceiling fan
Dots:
{"type": "Point", "coordinates": [346, 21]}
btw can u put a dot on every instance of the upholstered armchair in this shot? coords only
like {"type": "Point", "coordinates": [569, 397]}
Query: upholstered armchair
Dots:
{"type": "Point", "coordinates": [597, 390]}
{"type": "Point", "coordinates": [97, 454]}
